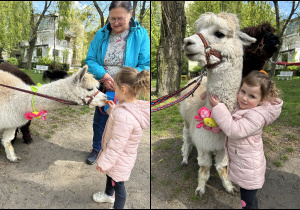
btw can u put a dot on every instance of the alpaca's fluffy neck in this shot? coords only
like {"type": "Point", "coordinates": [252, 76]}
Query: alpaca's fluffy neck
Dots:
{"type": "Point", "coordinates": [224, 81]}
{"type": "Point", "coordinates": [58, 89]}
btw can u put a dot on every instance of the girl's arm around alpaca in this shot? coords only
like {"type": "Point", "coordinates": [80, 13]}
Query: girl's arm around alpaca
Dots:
{"type": "Point", "coordinates": [249, 123]}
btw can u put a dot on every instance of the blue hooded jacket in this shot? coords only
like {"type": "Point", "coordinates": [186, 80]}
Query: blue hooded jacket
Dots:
{"type": "Point", "coordinates": [136, 53]}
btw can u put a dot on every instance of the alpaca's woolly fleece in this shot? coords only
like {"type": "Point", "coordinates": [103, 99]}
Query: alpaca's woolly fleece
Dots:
{"type": "Point", "coordinates": [14, 104]}
{"type": "Point", "coordinates": [222, 80]}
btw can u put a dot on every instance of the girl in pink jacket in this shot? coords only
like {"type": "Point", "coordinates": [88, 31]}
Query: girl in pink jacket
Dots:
{"type": "Point", "coordinates": [122, 134]}
{"type": "Point", "coordinates": [258, 106]}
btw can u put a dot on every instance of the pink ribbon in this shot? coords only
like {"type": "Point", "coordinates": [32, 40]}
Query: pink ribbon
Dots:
{"type": "Point", "coordinates": [30, 115]}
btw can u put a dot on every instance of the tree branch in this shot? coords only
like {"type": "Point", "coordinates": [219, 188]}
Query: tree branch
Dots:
{"type": "Point", "coordinates": [100, 13]}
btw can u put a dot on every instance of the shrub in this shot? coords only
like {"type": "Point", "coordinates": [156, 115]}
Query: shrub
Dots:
{"type": "Point", "coordinates": [13, 61]}
{"type": "Point", "coordinates": [196, 69]}
{"type": "Point", "coordinates": [58, 66]}
{"type": "Point", "coordinates": [65, 67]}
{"type": "Point", "coordinates": [46, 61]}
{"type": "Point", "coordinates": [82, 62]}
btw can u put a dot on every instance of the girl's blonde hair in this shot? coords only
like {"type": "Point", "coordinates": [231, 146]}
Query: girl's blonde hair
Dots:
{"type": "Point", "coordinates": [138, 82]}
{"type": "Point", "coordinates": [267, 86]}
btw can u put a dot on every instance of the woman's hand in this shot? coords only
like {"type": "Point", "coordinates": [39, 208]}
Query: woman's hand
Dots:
{"type": "Point", "coordinates": [214, 100]}
{"type": "Point", "coordinates": [108, 81]}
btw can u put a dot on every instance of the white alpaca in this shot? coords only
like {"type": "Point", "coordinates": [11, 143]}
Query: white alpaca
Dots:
{"type": "Point", "coordinates": [222, 34]}
{"type": "Point", "coordinates": [14, 104]}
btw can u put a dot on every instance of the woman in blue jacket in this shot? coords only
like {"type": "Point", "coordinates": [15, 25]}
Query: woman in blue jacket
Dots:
{"type": "Point", "coordinates": [121, 42]}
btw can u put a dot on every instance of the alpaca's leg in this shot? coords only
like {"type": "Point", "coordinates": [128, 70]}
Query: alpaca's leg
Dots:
{"type": "Point", "coordinates": [221, 163]}
{"type": "Point", "coordinates": [205, 162]}
{"type": "Point", "coordinates": [7, 136]}
{"type": "Point", "coordinates": [26, 133]}
{"type": "Point", "coordinates": [16, 133]}
{"type": "Point", "coordinates": [187, 145]}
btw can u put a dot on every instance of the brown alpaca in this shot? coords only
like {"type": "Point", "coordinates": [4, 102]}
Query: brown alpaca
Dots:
{"type": "Point", "coordinates": [257, 54]}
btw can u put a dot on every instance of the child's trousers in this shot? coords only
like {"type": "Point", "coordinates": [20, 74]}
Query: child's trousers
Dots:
{"type": "Point", "coordinates": [248, 199]}
{"type": "Point", "coordinates": [120, 192]}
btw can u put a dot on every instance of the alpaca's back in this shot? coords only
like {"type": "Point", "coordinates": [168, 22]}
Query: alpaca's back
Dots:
{"type": "Point", "coordinates": [11, 80]}
{"type": "Point", "coordinates": [17, 72]}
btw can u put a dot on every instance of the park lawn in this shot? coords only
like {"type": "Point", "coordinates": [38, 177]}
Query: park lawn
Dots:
{"type": "Point", "coordinates": [281, 137]}
{"type": "Point", "coordinates": [36, 77]}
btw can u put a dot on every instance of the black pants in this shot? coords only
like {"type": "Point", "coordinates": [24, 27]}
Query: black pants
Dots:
{"type": "Point", "coordinates": [120, 192]}
{"type": "Point", "coordinates": [249, 198]}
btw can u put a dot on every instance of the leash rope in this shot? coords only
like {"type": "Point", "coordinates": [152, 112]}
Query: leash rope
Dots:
{"type": "Point", "coordinates": [42, 95]}
{"type": "Point", "coordinates": [46, 96]}
{"type": "Point", "coordinates": [164, 98]}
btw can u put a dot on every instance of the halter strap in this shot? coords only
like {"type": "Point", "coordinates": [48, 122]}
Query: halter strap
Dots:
{"type": "Point", "coordinates": [210, 52]}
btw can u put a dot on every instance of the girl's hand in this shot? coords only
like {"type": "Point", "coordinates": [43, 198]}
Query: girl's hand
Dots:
{"type": "Point", "coordinates": [108, 81]}
{"type": "Point", "coordinates": [111, 105]}
{"type": "Point", "coordinates": [203, 95]}
{"type": "Point", "coordinates": [214, 100]}
{"type": "Point", "coordinates": [99, 169]}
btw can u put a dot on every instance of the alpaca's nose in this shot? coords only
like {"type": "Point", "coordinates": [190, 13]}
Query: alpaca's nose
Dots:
{"type": "Point", "coordinates": [188, 41]}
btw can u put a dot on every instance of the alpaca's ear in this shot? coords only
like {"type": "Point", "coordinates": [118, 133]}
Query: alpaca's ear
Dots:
{"type": "Point", "coordinates": [245, 38]}
{"type": "Point", "coordinates": [80, 74]}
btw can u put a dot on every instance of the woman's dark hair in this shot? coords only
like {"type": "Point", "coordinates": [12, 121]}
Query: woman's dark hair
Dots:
{"type": "Point", "coordinates": [124, 4]}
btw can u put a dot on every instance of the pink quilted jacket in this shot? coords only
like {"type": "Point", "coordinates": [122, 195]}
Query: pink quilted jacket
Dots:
{"type": "Point", "coordinates": [244, 147]}
{"type": "Point", "coordinates": [121, 138]}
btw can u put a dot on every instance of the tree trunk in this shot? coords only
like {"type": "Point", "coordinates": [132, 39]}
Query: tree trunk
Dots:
{"type": "Point", "coordinates": [30, 53]}
{"type": "Point", "coordinates": [134, 8]}
{"type": "Point", "coordinates": [142, 13]}
{"type": "Point", "coordinates": [170, 52]}
{"type": "Point", "coordinates": [1, 51]}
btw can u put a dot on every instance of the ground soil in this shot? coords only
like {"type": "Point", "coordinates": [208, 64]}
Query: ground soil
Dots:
{"type": "Point", "coordinates": [53, 172]}
{"type": "Point", "coordinates": [173, 186]}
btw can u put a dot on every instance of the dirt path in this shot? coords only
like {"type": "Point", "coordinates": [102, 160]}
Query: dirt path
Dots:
{"type": "Point", "coordinates": [53, 172]}
{"type": "Point", "coordinates": [173, 186]}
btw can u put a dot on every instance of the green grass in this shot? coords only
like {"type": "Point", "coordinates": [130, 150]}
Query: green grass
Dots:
{"type": "Point", "coordinates": [290, 114]}
{"type": "Point", "coordinates": [36, 77]}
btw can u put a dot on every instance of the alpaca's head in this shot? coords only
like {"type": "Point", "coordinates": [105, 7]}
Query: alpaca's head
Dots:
{"type": "Point", "coordinates": [82, 85]}
{"type": "Point", "coordinates": [257, 54]}
{"type": "Point", "coordinates": [222, 34]}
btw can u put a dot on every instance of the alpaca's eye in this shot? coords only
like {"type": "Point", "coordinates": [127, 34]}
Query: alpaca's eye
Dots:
{"type": "Point", "coordinates": [219, 34]}
{"type": "Point", "coordinates": [89, 89]}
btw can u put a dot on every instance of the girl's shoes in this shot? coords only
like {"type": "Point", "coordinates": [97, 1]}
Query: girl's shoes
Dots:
{"type": "Point", "coordinates": [101, 197]}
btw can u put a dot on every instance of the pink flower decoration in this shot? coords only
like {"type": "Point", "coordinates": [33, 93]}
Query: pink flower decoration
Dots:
{"type": "Point", "coordinates": [41, 114]}
{"type": "Point", "coordinates": [202, 114]}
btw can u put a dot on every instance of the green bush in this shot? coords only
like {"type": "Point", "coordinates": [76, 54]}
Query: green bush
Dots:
{"type": "Point", "coordinates": [196, 69]}
{"type": "Point", "coordinates": [13, 61]}
{"type": "Point", "coordinates": [82, 62]}
{"type": "Point", "coordinates": [65, 67]}
{"type": "Point", "coordinates": [58, 66]}
{"type": "Point", "coordinates": [46, 61]}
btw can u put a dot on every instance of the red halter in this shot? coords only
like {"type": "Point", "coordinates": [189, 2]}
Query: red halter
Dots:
{"type": "Point", "coordinates": [209, 52]}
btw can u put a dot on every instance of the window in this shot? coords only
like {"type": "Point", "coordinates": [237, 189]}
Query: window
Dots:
{"type": "Point", "coordinates": [285, 57]}
{"type": "Point", "coordinates": [55, 53]}
{"type": "Point", "coordinates": [39, 52]}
